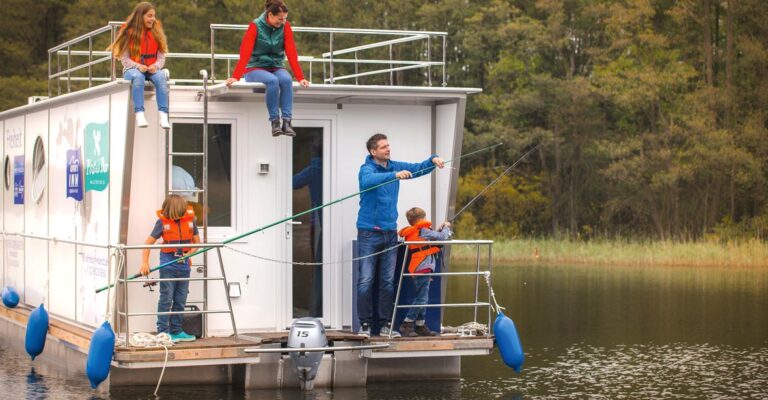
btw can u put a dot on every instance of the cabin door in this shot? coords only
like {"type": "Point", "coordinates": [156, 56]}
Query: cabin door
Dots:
{"type": "Point", "coordinates": [308, 235]}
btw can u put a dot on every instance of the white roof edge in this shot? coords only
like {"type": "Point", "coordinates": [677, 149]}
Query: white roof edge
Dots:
{"type": "Point", "coordinates": [51, 102]}
{"type": "Point", "coordinates": [221, 88]}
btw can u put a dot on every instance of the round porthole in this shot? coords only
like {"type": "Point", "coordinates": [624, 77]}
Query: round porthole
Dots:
{"type": "Point", "coordinates": [39, 170]}
{"type": "Point", "coordinates": [7, 173]}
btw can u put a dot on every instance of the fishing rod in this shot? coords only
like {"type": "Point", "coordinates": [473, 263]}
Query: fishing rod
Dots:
{"type": "Point", "coordinates": [498, 178]}
{"type": "Point", "coordinates": [286, 219]}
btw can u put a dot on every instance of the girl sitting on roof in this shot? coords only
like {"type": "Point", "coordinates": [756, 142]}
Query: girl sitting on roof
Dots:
{"type": "Point", "coordinates": [141, 47]}
{"type": "Point", "coordinates": [267, 41]}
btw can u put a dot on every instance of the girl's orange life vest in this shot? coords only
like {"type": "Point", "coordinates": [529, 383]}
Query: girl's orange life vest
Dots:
{"type": "Point", "coordinates": [183, 231]}
{"type": "Point", "coordinates": [147, 50]}
{"type": "Point", "coordinates": [418, 251]}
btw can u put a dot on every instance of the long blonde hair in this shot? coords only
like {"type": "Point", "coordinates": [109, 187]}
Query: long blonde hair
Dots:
{"type": "Point", "coordinates": [130, 34]}
{"type": "Point", "coordinates": [174, 207]}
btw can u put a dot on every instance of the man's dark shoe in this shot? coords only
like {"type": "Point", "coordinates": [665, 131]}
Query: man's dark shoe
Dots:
{"type": "Point", "coordinates": [288, 129]}
{"type": "Point", "coordinates": [422, 330]}
{"type": "Point", "coordinates": [276, 131]}
{"type": "Point", "coordinates": [406, 329]}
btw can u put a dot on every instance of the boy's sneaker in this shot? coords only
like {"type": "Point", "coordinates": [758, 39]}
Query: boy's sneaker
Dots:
{"type": "Point", "coordinates": [406, 329]}
{"type": "Point", "coordinates": [365, 330]}
{"type": "Point", "coordinates": [182, 337]}
{"type": "Point", "coordinates": [386, 330]}
{"type": "Point", "coordinates": [422, 330]}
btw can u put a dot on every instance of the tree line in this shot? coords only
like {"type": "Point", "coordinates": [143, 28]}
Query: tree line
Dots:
{"type": "Point", "coordinates": [651, 114]}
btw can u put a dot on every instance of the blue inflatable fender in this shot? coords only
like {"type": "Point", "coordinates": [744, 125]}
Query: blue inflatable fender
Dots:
{"type": "Point", "coordinates": [10, 297]}
{"type": "Point", "coordinates": [100, 354]}
{"type": "Point", "coordinates": [37, 329]}
{"type": "Point", "coordinates": [509, 342]}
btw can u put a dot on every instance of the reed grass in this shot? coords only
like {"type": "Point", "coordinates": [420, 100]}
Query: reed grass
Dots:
{"type": "Point", "coordinates": [751, 253]}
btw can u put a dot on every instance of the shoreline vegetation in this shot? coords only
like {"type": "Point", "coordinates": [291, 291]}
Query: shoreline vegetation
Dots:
{"type": "Point", "coordinates": [750, 253]}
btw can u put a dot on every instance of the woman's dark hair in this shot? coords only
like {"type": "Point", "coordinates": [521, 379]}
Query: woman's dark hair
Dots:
{"type": "Point", "coordinates": [275, 7]}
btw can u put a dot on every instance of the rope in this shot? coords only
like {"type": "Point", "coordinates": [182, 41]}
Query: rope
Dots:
{"type": "Point", "coordinates": [243, 252]}
{"type": "Point", "coordinates": [472, 328]}
{"type": "Point", "coordinates": [497, 309]}
{"type": "Point", "coordinates": [148, 340]}
{"type": "Point", "coordinates": [120, 262]}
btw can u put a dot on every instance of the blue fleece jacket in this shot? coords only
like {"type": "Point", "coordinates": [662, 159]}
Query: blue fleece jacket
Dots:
{"type": "Point", "coordinates": [378, 207]}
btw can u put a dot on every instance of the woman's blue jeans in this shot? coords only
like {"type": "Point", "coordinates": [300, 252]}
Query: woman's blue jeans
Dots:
{"type": "Point", "coordinates": [138, 80]}
{"type": "Point", "coordinates": [173, 297]}
{"type": "Point", "coordinates": [279, 91]}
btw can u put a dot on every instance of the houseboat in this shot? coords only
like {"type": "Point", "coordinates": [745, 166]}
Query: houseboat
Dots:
{"type": "Point", "coordinates": [82, 185]}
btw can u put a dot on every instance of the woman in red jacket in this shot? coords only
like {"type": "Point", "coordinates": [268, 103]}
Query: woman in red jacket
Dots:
{"type": "Point", "coordinates": [141, 46]}
{"type": "Point", "coordinates": [266, 43]}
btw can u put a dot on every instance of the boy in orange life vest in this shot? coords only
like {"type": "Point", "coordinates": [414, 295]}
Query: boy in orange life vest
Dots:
{"type": "Point", "coordinates": [422, 262]}
{"type": "Point", "coordinates": [175, 224]}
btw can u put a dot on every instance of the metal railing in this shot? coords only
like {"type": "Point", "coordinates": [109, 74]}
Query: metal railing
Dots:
{"type": "Point", "coordinates": [477, 274]}
{"type": "Point", "coordinates": [75, 62]}
{"type": "Point", "coordinates": [124, 280]}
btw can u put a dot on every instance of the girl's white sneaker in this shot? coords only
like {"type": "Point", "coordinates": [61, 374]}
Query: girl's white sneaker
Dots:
{"type": "Point", "coordinates": [164, 123]}
{"type": "Point", "coordinates": [141, 120]}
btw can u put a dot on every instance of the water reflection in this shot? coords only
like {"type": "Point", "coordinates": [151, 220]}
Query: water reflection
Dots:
{"type": "Point", "coordinates": [36, 388]}
{"type": "Point", "coordinates": [623, 332]}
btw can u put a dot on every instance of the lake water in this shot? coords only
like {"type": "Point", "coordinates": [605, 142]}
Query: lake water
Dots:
{"type": "Point", "coordinates": [600, 332]}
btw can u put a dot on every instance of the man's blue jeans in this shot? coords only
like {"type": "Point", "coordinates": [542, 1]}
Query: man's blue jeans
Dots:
{"type": "Point", "coordinates": [421, 298]}
{"type": "Point", "coordinates": [138, 79]}
{"type": "Point", "coordinates": [381, 266]}
{"type": "Point", "coordinates": [173, 297]}
{"type": "Point", "coordinates": [279, 91]}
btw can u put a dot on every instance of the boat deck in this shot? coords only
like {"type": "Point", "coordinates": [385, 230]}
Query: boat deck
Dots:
{"type": "Point", "coordinates": [231, 350]}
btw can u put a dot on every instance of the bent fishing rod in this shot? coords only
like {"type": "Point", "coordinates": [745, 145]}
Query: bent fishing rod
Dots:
{"type": "Point", "coordinates": [498, 178]}
{"type": "Point", "coordinates": [286, 219]}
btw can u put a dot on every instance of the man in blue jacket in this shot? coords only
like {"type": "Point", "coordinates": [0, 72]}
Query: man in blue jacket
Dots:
{"type": "Point", "coordinates": [377, 228]}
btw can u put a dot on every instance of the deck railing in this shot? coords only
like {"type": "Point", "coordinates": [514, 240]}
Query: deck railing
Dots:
{"type": "Point", "coordinates": [477, 273]}
{"type": "Point", "coordinates": [76, 60]}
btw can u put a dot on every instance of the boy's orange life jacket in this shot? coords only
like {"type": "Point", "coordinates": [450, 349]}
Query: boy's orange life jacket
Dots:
{"type": "Point", "coordinates": [147, 50]}
{"type": "Point", "coordinates": [418, 251]}
{"type": "Point", "coordinates": [183, 231]}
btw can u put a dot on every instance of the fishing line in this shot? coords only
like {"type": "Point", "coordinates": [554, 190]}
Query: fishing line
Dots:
{"type": "Point", "coordinates": [230, 240]}
{"type": "Point", "coordinates": [498, 178]}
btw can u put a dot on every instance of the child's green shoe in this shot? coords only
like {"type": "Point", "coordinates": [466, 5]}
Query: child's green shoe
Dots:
{"type": "Point", "coordinates": [182, 337]}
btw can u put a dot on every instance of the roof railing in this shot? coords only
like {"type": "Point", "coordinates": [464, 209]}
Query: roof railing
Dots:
{"type": "Point", "coordinates": [330, 60]}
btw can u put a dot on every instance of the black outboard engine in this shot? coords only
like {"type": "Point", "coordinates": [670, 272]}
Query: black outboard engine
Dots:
{"type": "Point", "coordinates": [307, 332]}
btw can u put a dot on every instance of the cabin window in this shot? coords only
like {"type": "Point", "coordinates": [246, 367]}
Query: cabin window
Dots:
{"type": "Point", "coordinates": [7, 173]}
{"type": "Point", "coordinates": [187, 170]}
{"type": "Point", "coordinates": [39, 170]}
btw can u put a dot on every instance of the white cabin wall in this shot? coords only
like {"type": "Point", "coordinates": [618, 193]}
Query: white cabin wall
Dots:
{"type": "Point", "coordinates": [35, 215]}
{"type": "Point", "coordinates": [445, 125]}
{"type": "Point", "coordinates": [146, 197]}
{"type": "Point", "coordinates": [14, 213]}
{"type": "Point", "coordinates": [93, 215]}
{"type": "Point", "coordinates": [65, 221]}
{"type": "Point", "coordinates": [2, 206]}
{"type": "Point", "coordinates": [408, 129]}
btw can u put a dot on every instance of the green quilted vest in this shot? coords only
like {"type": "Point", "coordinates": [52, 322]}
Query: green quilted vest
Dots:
{"type": "Point", "coordinates": [269, 50]}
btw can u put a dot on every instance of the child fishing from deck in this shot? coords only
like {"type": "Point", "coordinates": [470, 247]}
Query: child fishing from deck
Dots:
{"type": "Point", "coordinates": [141, 47]}
{"type": "Point", "coordinates": [175, 224]}
{"type": "Point", "coordinates": [423, 263]}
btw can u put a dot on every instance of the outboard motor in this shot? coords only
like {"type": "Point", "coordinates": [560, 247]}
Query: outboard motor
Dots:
{"type": "Point", "coordinates": [307, 332]}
